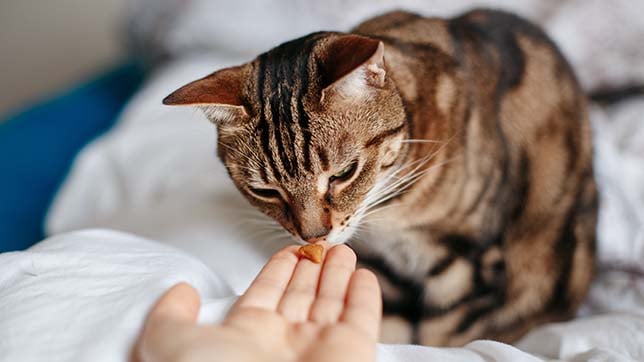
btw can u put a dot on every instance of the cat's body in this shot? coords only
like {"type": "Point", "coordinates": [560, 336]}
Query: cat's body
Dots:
{"type": "Point", "coordinates": [508, 226]}
{"type": "Point", "coordinates": [461, 147]}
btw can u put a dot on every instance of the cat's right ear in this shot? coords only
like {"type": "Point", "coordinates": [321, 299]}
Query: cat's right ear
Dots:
{"type": "Point", "coordinates": [219, 95]}
{"type": "Point", "coordinates": [353, 66]}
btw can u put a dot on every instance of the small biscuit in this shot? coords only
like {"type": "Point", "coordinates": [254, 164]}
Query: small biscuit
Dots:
{"type": "Point", "coordinates": [313, 252]}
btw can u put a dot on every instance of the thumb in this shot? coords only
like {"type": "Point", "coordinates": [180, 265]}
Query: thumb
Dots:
{"type": "Point", "coordinates": [180, 303]}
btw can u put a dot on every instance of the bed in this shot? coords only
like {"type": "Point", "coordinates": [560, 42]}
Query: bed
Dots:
{"type": "Point", "coordinates": [148, 204]}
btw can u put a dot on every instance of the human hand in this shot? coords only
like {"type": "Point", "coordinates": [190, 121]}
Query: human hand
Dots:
{"type": "Point", "coordinates": [294, 310]}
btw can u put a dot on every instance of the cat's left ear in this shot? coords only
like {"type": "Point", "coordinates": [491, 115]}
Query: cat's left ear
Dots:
{"type": "Point", "coordinates": [219, 95]}
{"type": "Point", "coordinates": [354, 66]}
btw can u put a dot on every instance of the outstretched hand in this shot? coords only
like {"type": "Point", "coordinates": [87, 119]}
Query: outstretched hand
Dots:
{"type": "Point", "coordinates": [294, 310]}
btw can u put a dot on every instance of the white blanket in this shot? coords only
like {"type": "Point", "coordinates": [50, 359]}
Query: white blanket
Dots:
{"type": "Point", "coordinates": [82, 296]}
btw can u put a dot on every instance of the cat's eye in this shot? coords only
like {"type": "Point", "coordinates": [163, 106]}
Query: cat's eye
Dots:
{"type": "Point", "coordinates": [346, 173]}
{"type": "Point", "coordinates": [265, 193]}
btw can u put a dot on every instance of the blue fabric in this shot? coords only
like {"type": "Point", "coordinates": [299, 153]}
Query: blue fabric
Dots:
{"type": "Point", "coordinates": [38, 146]}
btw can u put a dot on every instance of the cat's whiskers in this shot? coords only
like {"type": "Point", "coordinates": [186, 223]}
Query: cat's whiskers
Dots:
{"type": "Point", "coordinates": [399, 179]}
{"type": "Point", "coordinates": [254, 215]}
{"type": "Point", "coordinates": [263, 234]}
{"type": "Point", "coordinates": [403, 180]}
{"type": "Point", "coordinates": [401, 184]}
{"type": "Point", "coordinates": [394, 175]}
{"type": "Point", "coordinates": [264, 224]}
{"type": "Point", "coordinates": [251, 169]}
{"type": "Point", "coordinates": [408, 182]}
{"type": "Point", "coordinates": [411, 140]}
{"type": "Point", "coordinates": [360, 229]}
{"type": "Point", "coordinates": [372, 211]}
{"type": "Point", "coordinates": [266, 229]}
{"type": "Point", "coordinates": [244, 155]}
{"type": "Point", "coordinates": [369, 209]}
{"type": "Point", "coordinates": [282, 239]}
{"type": "Point", "coordinates": [420, 162]}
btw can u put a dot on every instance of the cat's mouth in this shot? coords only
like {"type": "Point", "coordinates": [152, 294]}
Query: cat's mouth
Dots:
{"type": "Point", "coordinates": [337, 235]}
{"type": "Point", "coordinates": [347, 228]}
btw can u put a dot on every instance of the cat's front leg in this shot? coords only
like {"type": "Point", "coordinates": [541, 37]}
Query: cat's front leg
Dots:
{"type": "Point", "coordinates": [396, 326]}
{"type": "Point", "coordinates": [400, 260]}
{"type": "Point", "coordinates": [463, 288]}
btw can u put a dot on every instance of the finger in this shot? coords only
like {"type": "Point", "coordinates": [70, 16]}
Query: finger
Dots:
{"type": "Point", "coordinates": [176, 308]}
{"type": "Point", "coordinates": [363, 309]}
{"type": "Point", "coordinates": [268, 287]}
{"type": "Point", "coordinates": [180, 303]}
{"type": "Point", "coordinates": [339, 264]}
{"type": "Point", "coordinates": [300, 293]}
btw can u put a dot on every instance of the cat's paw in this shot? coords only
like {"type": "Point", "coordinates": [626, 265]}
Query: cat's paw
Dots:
{"type": "Point", "coordinates": [396, 330]}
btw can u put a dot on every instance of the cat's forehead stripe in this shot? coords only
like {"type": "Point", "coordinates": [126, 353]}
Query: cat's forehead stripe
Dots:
{"type": "Point", "coordinates": [262, 125]}
{"type": "Point", "coordinates": [286, 90]}
{"type": "Point", "coordinates": [302, 116]}
{"type": "Point", "coordinates": [284, 77]}
{"type": "Point", "coordinates": [277, 122]}
{"type": "Point", "coordinates": [285, 73]}
{"type": "Point", "coordinates": [284, 84]}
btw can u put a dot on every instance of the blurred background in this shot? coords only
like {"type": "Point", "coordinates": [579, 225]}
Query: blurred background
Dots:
{"type": "Point", "coordinates": [65, 75]}
{"type": "Point", "coordinates": [49, 45]}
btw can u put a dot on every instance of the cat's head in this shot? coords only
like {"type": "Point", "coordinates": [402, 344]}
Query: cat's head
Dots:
{"type": "Point", "coordinates": [307, 131]}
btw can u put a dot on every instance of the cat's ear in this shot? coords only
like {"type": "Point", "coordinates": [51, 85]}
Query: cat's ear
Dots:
{"type": "Point", "coordinates": [353, 67]}
{"type": "Point", "coordinates": [219, 95]}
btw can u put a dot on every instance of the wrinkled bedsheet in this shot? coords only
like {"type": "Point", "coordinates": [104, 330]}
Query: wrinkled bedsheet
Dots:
{"type": "Point", "coordinates": [83, 296]}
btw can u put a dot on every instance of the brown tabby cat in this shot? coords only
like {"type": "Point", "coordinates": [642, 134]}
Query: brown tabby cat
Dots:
{"type": "Point", "coordinates": [454, 155]}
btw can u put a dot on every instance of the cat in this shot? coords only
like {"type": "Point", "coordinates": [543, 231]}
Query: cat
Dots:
{"type": "Point", "coordinates": [454, 156]}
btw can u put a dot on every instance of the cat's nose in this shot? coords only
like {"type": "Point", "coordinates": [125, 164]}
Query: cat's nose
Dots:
{"type": "Point", "coordinates": [316, 240]}
{"type": "Point", "coordinates": [312, 239]}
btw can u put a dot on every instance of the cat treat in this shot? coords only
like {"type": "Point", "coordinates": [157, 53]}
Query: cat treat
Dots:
{"type": "Point", "coordinates": [313, 252]}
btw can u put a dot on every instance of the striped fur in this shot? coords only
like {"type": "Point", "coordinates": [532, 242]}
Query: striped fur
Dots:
{"type": "Point", "coordinates": [453, 154]}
